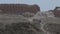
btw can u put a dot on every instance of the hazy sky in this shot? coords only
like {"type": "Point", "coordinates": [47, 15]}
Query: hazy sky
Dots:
{"type": "Point", "coordinates": [44, 4]}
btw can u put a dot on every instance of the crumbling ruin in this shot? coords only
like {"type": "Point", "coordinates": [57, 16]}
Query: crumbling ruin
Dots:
{"type": "Point", "coordinates": [56, 12]}
{"type": "Point", "coordinates": [19, 8]}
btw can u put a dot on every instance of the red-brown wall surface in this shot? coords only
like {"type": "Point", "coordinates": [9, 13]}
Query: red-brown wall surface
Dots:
{"type": "Point", "coordinates": [19, 8]}
{"type": "Point", "coordinates": [57, 12]}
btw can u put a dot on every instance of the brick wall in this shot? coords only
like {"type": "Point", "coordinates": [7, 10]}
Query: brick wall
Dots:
{"type": "Point", "coordinates": [19, 8]}
{"type": "Point", "coordinates": [57, 12]}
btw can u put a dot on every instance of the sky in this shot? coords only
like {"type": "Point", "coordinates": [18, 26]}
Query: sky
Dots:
{"type": "Point", "coordinates": [45, 5]}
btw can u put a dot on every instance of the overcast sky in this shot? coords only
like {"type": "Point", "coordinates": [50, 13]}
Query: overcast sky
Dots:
{"type": "Point", "coordinates": [44, 4]}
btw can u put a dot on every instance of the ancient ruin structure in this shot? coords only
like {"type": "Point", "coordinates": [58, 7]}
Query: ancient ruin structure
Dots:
{"type": "Point", "coordinates": [19, 8]}
{"type": "Point", "coordinates": [56, 12]}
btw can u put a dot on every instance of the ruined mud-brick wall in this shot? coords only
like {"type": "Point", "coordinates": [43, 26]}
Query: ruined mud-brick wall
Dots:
{"type": "Point", "coordinates": [57, 12]}
{"type": "Point", "coordinates": [19, 8]}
